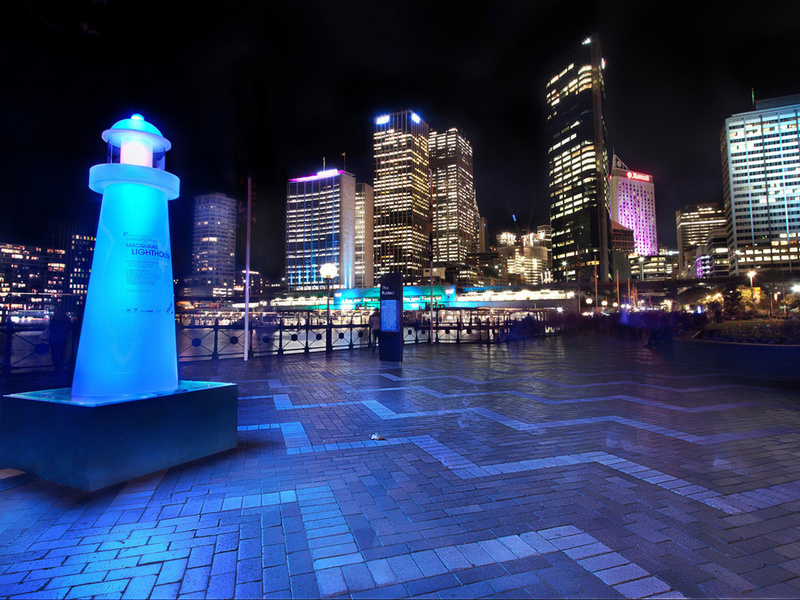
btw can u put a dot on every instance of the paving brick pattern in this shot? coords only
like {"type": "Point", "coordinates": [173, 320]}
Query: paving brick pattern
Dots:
{"type": "Point", "coordinates": [579, 466]}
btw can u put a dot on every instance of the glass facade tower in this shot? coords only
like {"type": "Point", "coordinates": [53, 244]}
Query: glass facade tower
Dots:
{"type": "Point", "coordinates": [761, 185]}
{"type": "Point", "coordinates": [455, 211]}
{"type": "Point", "coordinates": [578, 165]}
{"type": "Point", "coordinates": [402, 195]}
{"type": "Point", "coordinates": [320, 228]}
{"type": "Point", "coordinates": [214, 240]}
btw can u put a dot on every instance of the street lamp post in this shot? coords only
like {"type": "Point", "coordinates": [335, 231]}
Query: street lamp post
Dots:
{"type": "Point", "coordinates": [329, 272]}
{"type": "Point", "coordinates": [751, 274]}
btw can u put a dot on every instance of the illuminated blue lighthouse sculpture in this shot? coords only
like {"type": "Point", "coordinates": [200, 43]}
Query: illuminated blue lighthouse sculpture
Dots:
{"type": "Point", "coordinates": [126, 415]}
{"type": "Point", "coordinates": [127, 344]}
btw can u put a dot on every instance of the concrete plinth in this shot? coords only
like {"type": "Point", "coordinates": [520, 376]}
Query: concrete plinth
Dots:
{"type": "Point", "coordinates": [91, 445]}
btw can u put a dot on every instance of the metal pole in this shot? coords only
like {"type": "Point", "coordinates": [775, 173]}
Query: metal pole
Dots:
{"type": "Point", "coordinates": [247, 273]}
{"type": "Point", "coordinates": [328, 340]}
{"type": "Point", "coordinates": [280, 336]}
{"type": "Point", "coordinates": [578, 280]}
{"type": "Point", "coordinates": [596, 303]}
{"type": "Point", "coordinates": [430, 247]}
{"type": "Point", "coordinates": [215, 352]}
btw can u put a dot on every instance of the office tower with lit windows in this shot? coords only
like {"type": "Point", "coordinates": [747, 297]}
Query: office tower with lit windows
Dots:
{"type": "Point", "coordinates": [658, 266]}
{"type": "Point", "coordinates": [80, 252]}
{"type": "Point", "coordinates": [528, 256]}
{"type": "Point", "coordinates": [214, 242]}
{"type": "Point", "coordinates": [694, 223]}
{"type": "Point", "coordinates": [632, 204]}
{"type": "Point", "coordinates": [537, 248]}
{"type": "Point", "coordinates": [578, 165]}
{"type": "Point", "coordinates": [622, 239]}
{"type": "Point", "coordinates": [454, 209]}
{"type": "Point", "coordinates": [761, 185]}
{"type": "Point", "coordinates": [711, 258]}
{"type": "Point", "coordinates": [31, 277]}
{"type": "Point", "coordinates": [320, 229]}
{"type": "Point", "coordinates": [364, 266]}
{"type": "Point", "coordinates": [402, 195]}
{"type": "Point", "coordinates": [78, 242]}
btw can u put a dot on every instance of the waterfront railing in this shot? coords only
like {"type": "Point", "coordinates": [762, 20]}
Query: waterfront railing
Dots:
{"type": "Point", "coordinates": [25, 349]}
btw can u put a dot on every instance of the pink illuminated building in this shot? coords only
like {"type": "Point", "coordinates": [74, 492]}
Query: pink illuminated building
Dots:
{"type": "Point", "coordinates": [632, 204]}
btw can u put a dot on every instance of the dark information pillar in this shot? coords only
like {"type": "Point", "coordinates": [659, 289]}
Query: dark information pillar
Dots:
{"type": "Point", "coordinates": [391, 335]}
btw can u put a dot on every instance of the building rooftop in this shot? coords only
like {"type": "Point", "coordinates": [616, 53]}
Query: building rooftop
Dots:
{"type": "Point", "coordinates": [777, 102]}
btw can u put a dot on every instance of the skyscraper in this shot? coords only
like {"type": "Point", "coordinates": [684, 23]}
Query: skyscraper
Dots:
{"type": "Point", "coordinates": [320, 228]}
{"type": "Point", "coordinates": [694, 223]}
{"type": "Point", "coordinates": [761, 185]}
{"type": "Point", "coordinates": [578, 165]}
{"type": "Point", "coordinates": [365, 256]}
{"type": "Point", "coordinates": [711, 258]}
{"type": "Point", "coordinates": [632, 204]}
{"type": "Point", "coordinates": [78, 242]}
{"type": "Point", "coordinates": [79, 265]}
{"type": "Point", "coordinates": [455, 211]}
{"type": "Point", "coordinates": [402, 195]}
{"type": "Point", "coordinates": [214, 241]}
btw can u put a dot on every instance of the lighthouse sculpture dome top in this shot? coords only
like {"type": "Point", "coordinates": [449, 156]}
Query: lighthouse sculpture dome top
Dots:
{"type": "Point", "coordinates": [134, 141]}
{"type": "Point", "coordinates": [135, 154]}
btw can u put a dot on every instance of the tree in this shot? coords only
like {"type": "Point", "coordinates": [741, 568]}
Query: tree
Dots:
{"type": "Point", "coordinates": [732, 302]}
{"type": "Point", "coordinates": [694, 295]}
{"type": "Point", "coordinates": [793, 301]}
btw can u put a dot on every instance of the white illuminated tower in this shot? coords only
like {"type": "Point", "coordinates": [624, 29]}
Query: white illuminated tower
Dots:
{"type": "Point", "coordinates": [127, 345]}
{"type": "Point", "coordinates": [320, 229]}
{"type": "Point", "coordinates": [402, 195]}
{"type": "Point", "coordinates": [455, 211]}
{"type": "Point", "coordinates": [214, 240]}
{"type": "Point", "coordinates": [761, 186]}
{"type": "Point", "coordinates": [632, 204]}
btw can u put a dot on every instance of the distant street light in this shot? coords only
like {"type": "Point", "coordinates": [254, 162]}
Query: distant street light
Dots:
{"type": "Point", "coordinates": [751, 274]}
{"type": "Point", "coordinates": [328, 271]}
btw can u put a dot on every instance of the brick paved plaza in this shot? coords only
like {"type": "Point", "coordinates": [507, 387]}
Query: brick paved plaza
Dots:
{"type": "Point", "coordinates": [580, 466]}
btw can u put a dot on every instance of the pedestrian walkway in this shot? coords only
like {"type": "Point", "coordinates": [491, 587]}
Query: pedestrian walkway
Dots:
{"type": "Point", "coordinates": [577, 466]}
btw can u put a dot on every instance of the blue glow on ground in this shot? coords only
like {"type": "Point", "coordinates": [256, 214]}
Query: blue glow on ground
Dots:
{"type": "Point", "coordinates": [64, 395]}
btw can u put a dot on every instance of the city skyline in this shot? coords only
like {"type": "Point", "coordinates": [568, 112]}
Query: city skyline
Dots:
{"type": "Point", "coordinates": [222, 86]}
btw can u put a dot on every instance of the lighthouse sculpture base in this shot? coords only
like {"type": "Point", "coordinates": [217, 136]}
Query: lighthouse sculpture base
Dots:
{"type": "Point", "coordinates": [93, 445]}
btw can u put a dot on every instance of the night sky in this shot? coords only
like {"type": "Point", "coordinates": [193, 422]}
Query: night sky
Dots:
{"type": "Point", "coordinates": [268, 89]}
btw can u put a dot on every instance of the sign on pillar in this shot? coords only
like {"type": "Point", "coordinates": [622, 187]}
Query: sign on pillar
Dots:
{"type": "Point", "coordinates": [391, 334]}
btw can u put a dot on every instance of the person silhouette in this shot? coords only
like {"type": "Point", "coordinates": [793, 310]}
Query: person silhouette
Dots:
{"type": "Point", "coordinates": [58, 327]}
{"type": "Point", "coordinates": [374, 328]}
